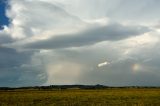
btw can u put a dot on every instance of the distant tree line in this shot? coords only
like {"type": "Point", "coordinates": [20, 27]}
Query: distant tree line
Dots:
{"type": "Point", "coordinates": [61, 87]}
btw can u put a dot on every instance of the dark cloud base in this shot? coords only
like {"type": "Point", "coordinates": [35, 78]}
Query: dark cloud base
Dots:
{"type": "Point", "coordinates": [111, 32]}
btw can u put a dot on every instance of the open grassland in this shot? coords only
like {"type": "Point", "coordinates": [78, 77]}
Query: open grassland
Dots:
{"type": "Point", "coordinates": [71, 97]}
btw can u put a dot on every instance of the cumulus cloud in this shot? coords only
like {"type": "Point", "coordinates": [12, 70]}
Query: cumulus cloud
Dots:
{"type": "Point", "coordinates": [44, 17]}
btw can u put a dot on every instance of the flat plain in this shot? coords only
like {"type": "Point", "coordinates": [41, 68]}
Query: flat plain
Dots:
{"type": "Point", "coordinates": [80, 97]}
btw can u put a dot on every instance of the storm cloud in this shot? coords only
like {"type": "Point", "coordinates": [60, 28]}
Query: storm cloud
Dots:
{"type": "Point", "coordinates": [62, 42]}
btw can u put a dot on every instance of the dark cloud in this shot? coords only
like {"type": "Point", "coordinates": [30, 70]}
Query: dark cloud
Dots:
{"type": "Point", "coordinates": [111, 32]}
{"type": "Point", "coordinates": [16, 68]}
{"type": "Point", "coordinates": [11, 58]}
{"type": "Point", "coordinates": [22, 76]}
{"type": "Point", "coordinates": [5, 37]}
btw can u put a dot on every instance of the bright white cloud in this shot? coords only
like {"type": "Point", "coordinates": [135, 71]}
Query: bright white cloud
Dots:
{"type": "Point", "coordinates": [103, 64]}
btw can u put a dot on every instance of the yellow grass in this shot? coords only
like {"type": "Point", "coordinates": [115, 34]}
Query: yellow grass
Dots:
{"type": "Point", "coordinates": [77, 97]}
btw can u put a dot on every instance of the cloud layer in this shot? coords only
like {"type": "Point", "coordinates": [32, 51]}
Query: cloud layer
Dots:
{"type": "Point", "coordinates": [92, 36]}
{"type": "Point", "coordinates": [62, 41]}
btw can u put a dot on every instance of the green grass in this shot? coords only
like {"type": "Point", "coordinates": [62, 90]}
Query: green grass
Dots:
{"type": "Point", "coordinates": [106, 97]}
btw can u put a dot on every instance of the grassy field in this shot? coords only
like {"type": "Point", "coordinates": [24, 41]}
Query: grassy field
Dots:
{"type": "Point", "coordinates": [105, 97]}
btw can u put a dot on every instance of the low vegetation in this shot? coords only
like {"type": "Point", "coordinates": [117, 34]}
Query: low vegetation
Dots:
{"type": "Point", "coordinates": [81, 97]}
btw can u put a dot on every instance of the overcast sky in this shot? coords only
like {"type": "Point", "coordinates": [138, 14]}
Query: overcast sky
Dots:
{"type": "Point", "coordinates": [109, 42]}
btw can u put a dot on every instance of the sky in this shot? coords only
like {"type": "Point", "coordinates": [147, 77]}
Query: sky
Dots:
{"type": "Point", "coordinates": [109, 42]}
{"type": "Point", "coordinates": [3, 19]}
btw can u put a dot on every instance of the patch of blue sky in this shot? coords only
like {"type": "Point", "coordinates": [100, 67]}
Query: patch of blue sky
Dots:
{"type": "Point", "coordinates": [4, 20]}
